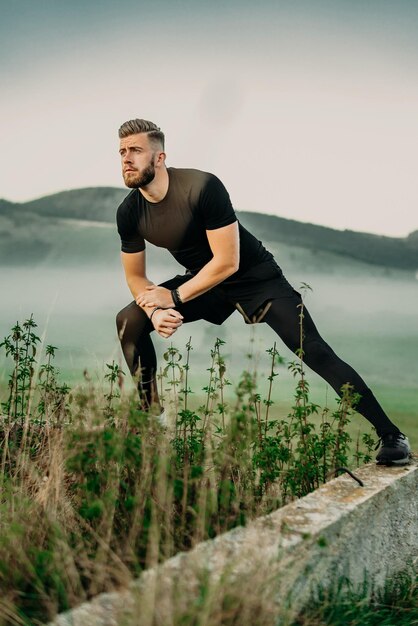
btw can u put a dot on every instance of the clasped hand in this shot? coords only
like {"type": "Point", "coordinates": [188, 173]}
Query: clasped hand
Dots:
{"type": "Point", "coordinates": [165, 320]}
{"type": "Point", "coordinates": [155, 296]}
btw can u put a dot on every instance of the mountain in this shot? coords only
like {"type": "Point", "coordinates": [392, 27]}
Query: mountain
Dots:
{"type": "Point", "coordinates": [394, 252]}
{"type": "Point", "coordinates": [79, 225]}
{"type": "Point", "coordinates": [97, 204]}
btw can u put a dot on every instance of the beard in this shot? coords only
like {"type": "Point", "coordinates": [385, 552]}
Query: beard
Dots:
{"type": "Point", "coordinates": [134, 180]}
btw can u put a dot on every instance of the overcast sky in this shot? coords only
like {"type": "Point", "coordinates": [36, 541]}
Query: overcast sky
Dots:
{"type": "Point", "coordinates": [308, 110]}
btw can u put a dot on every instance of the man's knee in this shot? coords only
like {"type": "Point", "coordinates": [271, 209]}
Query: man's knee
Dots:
{"type": "Point", "coordinates": [132, 316]}
{"type": "Point", "coordinates": [317, 352]}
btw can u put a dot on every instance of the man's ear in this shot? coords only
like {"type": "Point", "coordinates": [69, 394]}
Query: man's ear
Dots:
{"type": "Point", "coordinates": [160, 159]}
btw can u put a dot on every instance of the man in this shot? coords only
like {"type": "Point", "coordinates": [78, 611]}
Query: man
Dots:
{"type": "Point", "coordinates": [189, 213]}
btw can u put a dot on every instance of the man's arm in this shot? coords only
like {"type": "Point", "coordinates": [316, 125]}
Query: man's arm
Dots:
{"type": "Point", "coordinates": [135, 274]}
{"type": "Point", "coordinates": [166, 321]}
{"type": "Point", "coordinates": [224, 243]}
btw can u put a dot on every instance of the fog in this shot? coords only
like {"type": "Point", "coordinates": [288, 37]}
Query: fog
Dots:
{"type": "Point", "coordinates": [371, 322]}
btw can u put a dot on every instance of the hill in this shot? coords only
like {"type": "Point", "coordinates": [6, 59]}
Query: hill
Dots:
{"type": "Point", "coordinates": [81, 224]}
{"type": "Point", "coordinates": [393, 252]}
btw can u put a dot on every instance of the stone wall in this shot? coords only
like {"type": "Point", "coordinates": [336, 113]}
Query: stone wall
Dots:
{"type": "Point", "coordinates": [342, 531]}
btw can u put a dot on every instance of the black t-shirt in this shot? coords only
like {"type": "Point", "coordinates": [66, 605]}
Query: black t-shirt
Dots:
{"type": "Point", "coordinates": [196, 201]}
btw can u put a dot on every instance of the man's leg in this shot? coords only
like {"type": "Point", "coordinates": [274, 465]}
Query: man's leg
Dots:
{"type": "Point", "coordinates": [283, 318]}
{"type": "Point", "coordinates": [134, 330]}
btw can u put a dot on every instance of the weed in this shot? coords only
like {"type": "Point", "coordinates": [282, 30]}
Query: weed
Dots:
{"type": "Point", "coordinates": [396, 603]}
{"type": "Point", "coordinates": [94, 490]}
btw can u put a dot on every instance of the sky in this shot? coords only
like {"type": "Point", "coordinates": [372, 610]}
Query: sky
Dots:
{"type": "Point", "coordinates": [307, 109]}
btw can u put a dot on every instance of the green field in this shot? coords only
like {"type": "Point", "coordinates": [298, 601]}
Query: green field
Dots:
{"type": "Point", "coordinates": [371, 321]}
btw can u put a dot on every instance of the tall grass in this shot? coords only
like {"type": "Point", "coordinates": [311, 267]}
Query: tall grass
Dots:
{"type": "Point", "coordinates": [94, 490]}
{"type": "Point", "coordinates": [396, 604]}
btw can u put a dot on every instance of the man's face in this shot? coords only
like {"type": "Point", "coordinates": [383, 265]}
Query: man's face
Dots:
{"type": "Point", "coordinates": [138, 160]}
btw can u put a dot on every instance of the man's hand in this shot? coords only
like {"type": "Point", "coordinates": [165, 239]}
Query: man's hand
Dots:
{"type": "Point", "coordinates": [155, 296]}
{"type": "Point", "coordinates": [166, 321]}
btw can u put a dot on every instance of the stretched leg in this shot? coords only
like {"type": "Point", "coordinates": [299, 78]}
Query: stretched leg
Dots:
{"type": "Point", "coordinates": [134, 329]}
{"type": "Point", "coordinates": [283, 318]}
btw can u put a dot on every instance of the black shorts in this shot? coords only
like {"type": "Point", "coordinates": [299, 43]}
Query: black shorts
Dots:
{"type": "Point", "coordinates": [262, 283]}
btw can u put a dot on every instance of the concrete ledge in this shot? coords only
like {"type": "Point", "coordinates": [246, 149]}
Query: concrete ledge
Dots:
{"type": "Point", "coordinates": [341, 530]}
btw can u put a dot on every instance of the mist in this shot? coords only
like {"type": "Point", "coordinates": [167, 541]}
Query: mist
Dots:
{"type": "Point", "coordinates": [370, 321]}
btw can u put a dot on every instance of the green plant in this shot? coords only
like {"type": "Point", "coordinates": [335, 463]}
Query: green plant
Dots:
{"type": "Point", "coordinates": [100, 482]}
{"type": "Point", "coordinates": [114, 376]}
{"type": "Point", "coordinates": [21, 346]}
{"type": "Point", "coordinates": [396, 603]}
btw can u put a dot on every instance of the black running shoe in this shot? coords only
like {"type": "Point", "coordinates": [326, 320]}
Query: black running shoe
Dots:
{"type": "Point", "coordinates": [395, 450]}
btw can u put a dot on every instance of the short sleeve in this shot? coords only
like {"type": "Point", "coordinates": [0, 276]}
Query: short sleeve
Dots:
{"type": "Point", "coordinates": [130, 237]}
{"type": "Point", "coordinates": [216, 208]}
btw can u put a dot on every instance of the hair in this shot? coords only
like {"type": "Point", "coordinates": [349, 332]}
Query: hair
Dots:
{"type": "Point", "coordinates": [133, 127]}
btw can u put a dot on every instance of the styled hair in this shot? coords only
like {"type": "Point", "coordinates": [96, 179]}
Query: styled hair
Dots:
{"type": "Point", "coordinates": [133, 127]}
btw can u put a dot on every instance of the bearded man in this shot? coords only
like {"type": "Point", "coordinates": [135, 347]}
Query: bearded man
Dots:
{"type": "Point", "coordinates": [189, 213]}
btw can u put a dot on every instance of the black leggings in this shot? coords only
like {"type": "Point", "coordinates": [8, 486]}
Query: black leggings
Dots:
{"type": "Point", "coordinates": [283, 318]}
{"type": "Point", "coordinates": [134, 330]}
